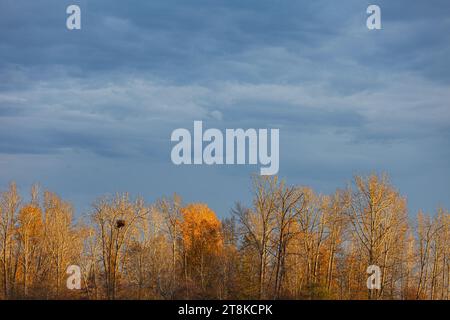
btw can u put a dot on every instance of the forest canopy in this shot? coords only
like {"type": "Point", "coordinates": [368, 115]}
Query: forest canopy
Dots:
{"type": "Point", "coordinates": [289, 243]}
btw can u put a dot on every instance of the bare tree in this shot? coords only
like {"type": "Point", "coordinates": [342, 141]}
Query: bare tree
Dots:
{"type": "Point", "coordinates": [115, 220]}
{"type": "Point", "coordinates": [258, 224]}
{"type": "Point", "coordinates": [9, 206]}
{"type": "Point", "coordinates": [376, 212]}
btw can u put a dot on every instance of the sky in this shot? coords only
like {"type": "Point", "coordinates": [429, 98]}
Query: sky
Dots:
{"type": "Point", "coordinates": [90, 112]}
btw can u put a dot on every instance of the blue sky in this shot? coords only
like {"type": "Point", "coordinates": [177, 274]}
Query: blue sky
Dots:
{"type": "Point", "coordinates": [90, 112]}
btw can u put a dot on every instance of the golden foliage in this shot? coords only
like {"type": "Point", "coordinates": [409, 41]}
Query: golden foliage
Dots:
{"type": "Point", "coordinates": [30, 221]}
{"type": "Point", "coordinates": [290, 243]}
{"type": "Point", "coordinates": [201, 229]}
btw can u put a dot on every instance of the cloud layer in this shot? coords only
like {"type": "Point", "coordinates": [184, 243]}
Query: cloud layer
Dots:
{"type": "Point", "coordinates": [90, 112]}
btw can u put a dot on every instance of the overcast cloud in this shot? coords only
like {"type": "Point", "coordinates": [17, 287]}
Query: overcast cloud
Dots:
{"type": "Point", "coordinates": [90, 112]}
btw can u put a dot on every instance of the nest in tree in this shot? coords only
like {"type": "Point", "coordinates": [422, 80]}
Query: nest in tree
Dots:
{"type": "Point", "coordinates": [120, 224]}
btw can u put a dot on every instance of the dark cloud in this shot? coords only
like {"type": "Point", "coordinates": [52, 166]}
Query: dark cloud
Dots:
{"type": "Point", "coordinates": [96, 107]}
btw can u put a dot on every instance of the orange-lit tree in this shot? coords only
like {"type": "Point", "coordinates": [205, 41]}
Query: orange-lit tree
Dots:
{"type": "Point", "coordinates": [202, 243]}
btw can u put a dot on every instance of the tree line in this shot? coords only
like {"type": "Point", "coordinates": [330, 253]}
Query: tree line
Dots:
{"type": "Point", "coordinates": [289, 243]}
